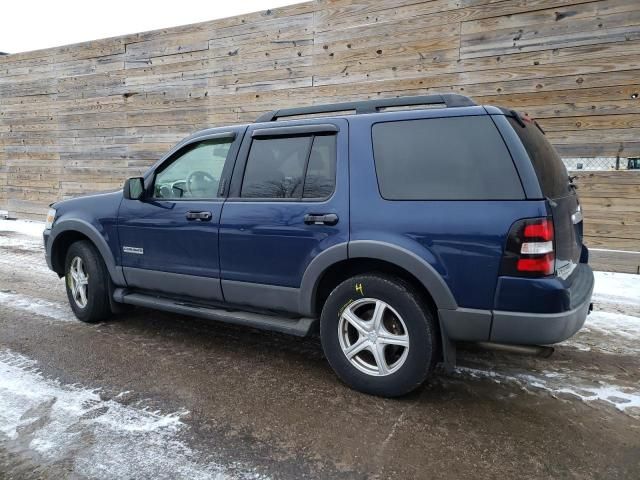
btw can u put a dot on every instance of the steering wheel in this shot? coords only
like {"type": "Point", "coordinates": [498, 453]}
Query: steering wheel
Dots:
{"type": "Point", "coordinates": [196, 182]}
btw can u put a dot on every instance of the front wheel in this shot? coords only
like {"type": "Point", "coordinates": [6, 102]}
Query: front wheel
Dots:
{"type": "Point", "coordinates": [378, 335]}
{"type": "Point", "coordinates": [87, 283]}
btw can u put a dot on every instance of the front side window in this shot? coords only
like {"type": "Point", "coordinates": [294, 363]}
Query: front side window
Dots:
{"type": "Point", "coordinates": [195, 173]}
{"type": "Point", "coordinates": [290, 167]}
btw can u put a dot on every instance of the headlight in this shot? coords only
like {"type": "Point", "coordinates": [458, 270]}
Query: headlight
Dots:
{"type": "Point", "coordinates": [51, 216]}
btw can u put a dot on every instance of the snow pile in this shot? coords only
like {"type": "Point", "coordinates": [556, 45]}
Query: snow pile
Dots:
{"type": "Point", "coordinates": [24, 303]}
{"type": "Point", "coordinates": [105, 438]}
{"type": "Point", "coordinates": [613, 287]}
{"type": "Point", "coordinates": [24, 227]}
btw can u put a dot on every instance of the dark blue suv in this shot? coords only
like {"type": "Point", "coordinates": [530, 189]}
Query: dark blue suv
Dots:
{"type": "Point", "coordinates": [399, 229]}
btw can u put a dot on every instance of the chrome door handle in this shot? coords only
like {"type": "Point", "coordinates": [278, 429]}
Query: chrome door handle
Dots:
{"type": "Point", "coordinates": [202, 216]}
{"type": "Point", "coordinates": [321, 219]}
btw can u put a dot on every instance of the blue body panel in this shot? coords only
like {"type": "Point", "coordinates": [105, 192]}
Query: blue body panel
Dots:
{"type": "Point", "coordinates": [260, 253]}
{"type": "Point", "coordinates": [99, 211]}
{"type": "Point", "coordinates": [267, 242]}
{"type": "Point", "coordinates": [462, 240]}
{"type": "Point", "coordinates": [170, 242]}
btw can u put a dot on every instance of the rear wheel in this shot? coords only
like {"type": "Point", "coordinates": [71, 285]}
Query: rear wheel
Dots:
{"type": "Point", "coordinates": [378, 335]}
{"type": "Point", "coordinates": [86, 280]}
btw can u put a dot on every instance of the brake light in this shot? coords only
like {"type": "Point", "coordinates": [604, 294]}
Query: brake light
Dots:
{"type": "Point", "coordinates": [543, 230]}
{"type": "Point", "coordinates": [529, 250]}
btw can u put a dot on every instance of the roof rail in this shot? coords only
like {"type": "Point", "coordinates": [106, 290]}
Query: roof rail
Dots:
{"type": "Point", "coordinates": [370, 106]}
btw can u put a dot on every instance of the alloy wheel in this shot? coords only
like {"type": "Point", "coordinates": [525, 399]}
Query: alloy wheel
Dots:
{"type": "Point", "coordinates": [78, 282]}
{"type": "Point", "coordinates": [373, 337]}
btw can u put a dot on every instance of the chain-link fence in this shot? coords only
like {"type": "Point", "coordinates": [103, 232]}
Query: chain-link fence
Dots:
{"type": "Point", "coordinates": [602, 163]}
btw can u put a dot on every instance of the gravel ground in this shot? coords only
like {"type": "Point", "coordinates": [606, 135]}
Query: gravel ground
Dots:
{"type": "Point", "coordinates": [155, 395]}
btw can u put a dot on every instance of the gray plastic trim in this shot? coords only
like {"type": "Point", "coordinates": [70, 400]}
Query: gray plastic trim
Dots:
{"type": "Point", "coordinates": [300, 327]}
{"type": "Point", "coordinates": [63, 225]}
{"type": "Point", "coordinates": [174, 283]}
{"type": "Point", "coordinates": [538, 328]}
{"type": "Point", "coordinates": [313, 274]}
{"type": "Point", "coordinates": [409, 261]}
{"type": "Point", "coordinates": [466, 324]}
{"type": "Point", "coordinates": [263, 296]}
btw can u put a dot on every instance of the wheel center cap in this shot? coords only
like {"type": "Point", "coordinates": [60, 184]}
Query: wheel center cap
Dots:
{"type": "Point", "coordinates": [373, 337]}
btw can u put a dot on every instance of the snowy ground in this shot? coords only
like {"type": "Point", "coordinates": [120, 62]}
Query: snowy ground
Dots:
{"type": "Point", "coordinates": [62, 422]}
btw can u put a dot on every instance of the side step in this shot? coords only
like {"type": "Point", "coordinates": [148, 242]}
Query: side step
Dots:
{"type": "Point", "coordinates": [300, 327]}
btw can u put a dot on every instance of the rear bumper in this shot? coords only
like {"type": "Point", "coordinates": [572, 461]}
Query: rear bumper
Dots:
{"type": "Point", "coordinates": [538, 328]}
{"type": "Point", "coordinates": [531, 327]}
{"type": "Point", "coordinates": [547, 328]}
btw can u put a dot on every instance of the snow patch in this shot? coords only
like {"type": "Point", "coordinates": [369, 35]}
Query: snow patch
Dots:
{"type": "Point", "coordinates": [613, 287]}
{"type": "Point", "coordinates": [100, 438]}
{"type": "Point", "coordinates": [608, 332]}
{"type": "Point", "coordinates": [36, 306]}
{"type": "Point", "coordinates": [625, 399]}
{"type": "Point", "coordinates": [25, 227]}
{"type": "Point", "coordinates": [21, 241]}
{"type": "Point", "coordinates": [615, 324]}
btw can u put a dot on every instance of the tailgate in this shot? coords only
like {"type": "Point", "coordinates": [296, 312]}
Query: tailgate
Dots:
{"type": "Point", "coordinates": [567, 224]}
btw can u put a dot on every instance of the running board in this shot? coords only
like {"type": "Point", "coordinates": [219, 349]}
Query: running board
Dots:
{"type": "Point", "coordinates": [300, 327]}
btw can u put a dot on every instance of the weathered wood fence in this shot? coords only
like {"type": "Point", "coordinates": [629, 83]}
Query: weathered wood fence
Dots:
{"type": "Point", "coordinates": [83, 117]}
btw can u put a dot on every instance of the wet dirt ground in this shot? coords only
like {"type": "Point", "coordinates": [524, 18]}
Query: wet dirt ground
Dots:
{"type": "Point", "coordinates": [155, 395]}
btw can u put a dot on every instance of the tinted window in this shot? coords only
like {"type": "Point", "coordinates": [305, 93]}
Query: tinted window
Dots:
{"type": "Point", "coordinates": [457, 158]}
{"type": "Point", "coordinates": [195, 173]}
{"type": "Point", "coordinates": [550, 169]}
{"type": "Point", "coordinates": [321, 172]}
{"type": "Point", "coordinates": [285, 167]}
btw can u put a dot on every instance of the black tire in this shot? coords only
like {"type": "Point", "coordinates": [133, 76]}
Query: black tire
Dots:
{"type": "Point", "coordinates": [97, 306]}
{"type": "Point", "coordinates": [420, 322]}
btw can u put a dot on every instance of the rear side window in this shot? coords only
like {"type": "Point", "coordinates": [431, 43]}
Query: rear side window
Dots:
{"type": "Point", "coordinates": [455, 158]}
{"type": "Point", "coordinates": [290, 167]}
{"type": "Point", "coordinates": [321, 173]}
{"type": "Point", "coordinates": [550, 169]}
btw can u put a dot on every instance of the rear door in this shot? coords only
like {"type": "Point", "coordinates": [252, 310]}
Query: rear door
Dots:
{"type": "Point", "coordinates": [559, 191]}
{"type": "Point", "coordinates": [289, 202]}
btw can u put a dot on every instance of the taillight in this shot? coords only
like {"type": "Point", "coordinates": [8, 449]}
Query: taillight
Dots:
{"type": "Point", "coordinates": [529, 251]}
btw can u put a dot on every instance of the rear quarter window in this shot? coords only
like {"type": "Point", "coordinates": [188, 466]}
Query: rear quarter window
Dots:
{"type": "Point", "coordinates": [454, 158]}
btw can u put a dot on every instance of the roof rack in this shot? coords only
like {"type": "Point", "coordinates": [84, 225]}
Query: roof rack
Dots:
{"type": "Point", "coordinates": [370, 106]}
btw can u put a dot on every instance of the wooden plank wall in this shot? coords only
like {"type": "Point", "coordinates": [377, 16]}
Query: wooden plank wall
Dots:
{"type": "Point", "coordinates": [81, 118]}
{"type": "Point", "coordinates": [611, 205]}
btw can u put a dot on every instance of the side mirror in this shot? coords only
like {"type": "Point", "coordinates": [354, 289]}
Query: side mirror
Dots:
{"type": "Point", "coordinates": [133, 188]}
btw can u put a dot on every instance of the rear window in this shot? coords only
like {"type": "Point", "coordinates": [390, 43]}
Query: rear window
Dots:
{"type": "Point", "coordinates": [455, 158]}
{"type": "Point", "coordinates": [550, 170]}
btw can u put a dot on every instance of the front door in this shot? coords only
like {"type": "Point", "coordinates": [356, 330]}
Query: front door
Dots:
{"type": "Point", "coordinates": [288, 203]}
{"type": "Point", "coordinates": [169, 239]}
